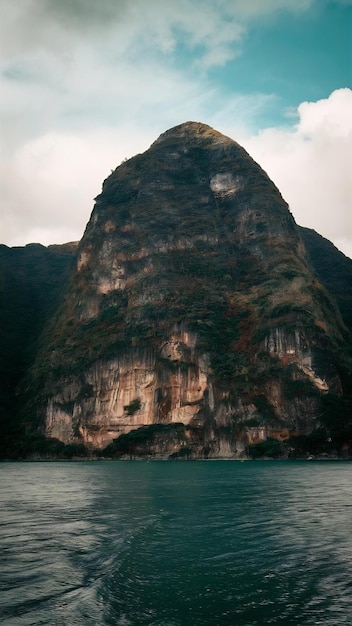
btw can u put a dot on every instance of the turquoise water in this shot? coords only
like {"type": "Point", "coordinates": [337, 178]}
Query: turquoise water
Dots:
{"type": "Point", "coordinates": [176, 543]}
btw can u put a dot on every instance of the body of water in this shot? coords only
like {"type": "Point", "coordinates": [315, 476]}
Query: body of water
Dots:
{"type": "Point", "coordinates": [176, 543]}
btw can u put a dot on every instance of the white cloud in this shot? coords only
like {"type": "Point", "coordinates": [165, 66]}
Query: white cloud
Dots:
{"type": "Point", "coordinates": [311, 165]}
{"type": "Point", "coordinates": [50, 184]}
{"type": "Point", "coordinates": [130, 25]}
{"type": "Point", "coordinates": [86, 84]}
{"type": "Point", "coordinates": [79, 62]}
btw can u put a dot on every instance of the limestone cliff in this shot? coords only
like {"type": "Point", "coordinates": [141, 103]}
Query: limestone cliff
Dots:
{"type": "Point", "coordinates": [192, 304]}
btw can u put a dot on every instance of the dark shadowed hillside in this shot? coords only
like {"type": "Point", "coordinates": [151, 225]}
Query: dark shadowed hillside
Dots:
{"type": "Point", "coordinates": [333, 268]}
{"type": "Point", "coordinates": [32, 279]}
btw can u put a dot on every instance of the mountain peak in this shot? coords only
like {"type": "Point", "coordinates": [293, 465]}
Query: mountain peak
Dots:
{"type": "Point", "coordinates": [195, 132]}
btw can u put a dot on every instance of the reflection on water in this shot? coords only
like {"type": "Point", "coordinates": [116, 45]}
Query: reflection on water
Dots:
{"type": "Point", "coordinates": [176, 544]}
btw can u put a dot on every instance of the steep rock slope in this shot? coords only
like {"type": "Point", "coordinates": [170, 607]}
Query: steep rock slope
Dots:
{"type": "Point", "coordinates": [333, 269]}
{"type": "Point", "coordinates": [193, 304]}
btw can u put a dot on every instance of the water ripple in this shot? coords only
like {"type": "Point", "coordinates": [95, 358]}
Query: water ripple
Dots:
{"type": "Point", "coordinates": [176, 544]}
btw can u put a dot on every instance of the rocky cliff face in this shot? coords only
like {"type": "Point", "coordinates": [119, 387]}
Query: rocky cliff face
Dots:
{"type": "Point", "coordinates": [193, 311]}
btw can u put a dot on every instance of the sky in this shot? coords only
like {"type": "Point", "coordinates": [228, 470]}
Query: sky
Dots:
{"type": "Point", "coordinates": [86, 84]}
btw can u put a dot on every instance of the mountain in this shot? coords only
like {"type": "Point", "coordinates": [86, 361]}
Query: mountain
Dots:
{"type": "Point", "coordinates": [193, 324]}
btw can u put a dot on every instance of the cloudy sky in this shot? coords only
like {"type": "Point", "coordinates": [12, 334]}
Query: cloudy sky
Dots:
{"type": "Point", "coordinates": [85, 84]}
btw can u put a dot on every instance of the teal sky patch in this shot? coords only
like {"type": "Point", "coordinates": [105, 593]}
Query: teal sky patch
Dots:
{"type": "Point", "coordinates": [294, 57]}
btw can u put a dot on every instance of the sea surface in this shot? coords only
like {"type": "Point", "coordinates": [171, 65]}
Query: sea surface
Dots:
{"type": "Point", "coordinates": [176, 543]}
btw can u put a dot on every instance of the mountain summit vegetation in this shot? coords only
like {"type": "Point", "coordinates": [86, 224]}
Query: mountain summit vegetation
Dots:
{"type": "Point", "coordinates": [194, 319]}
